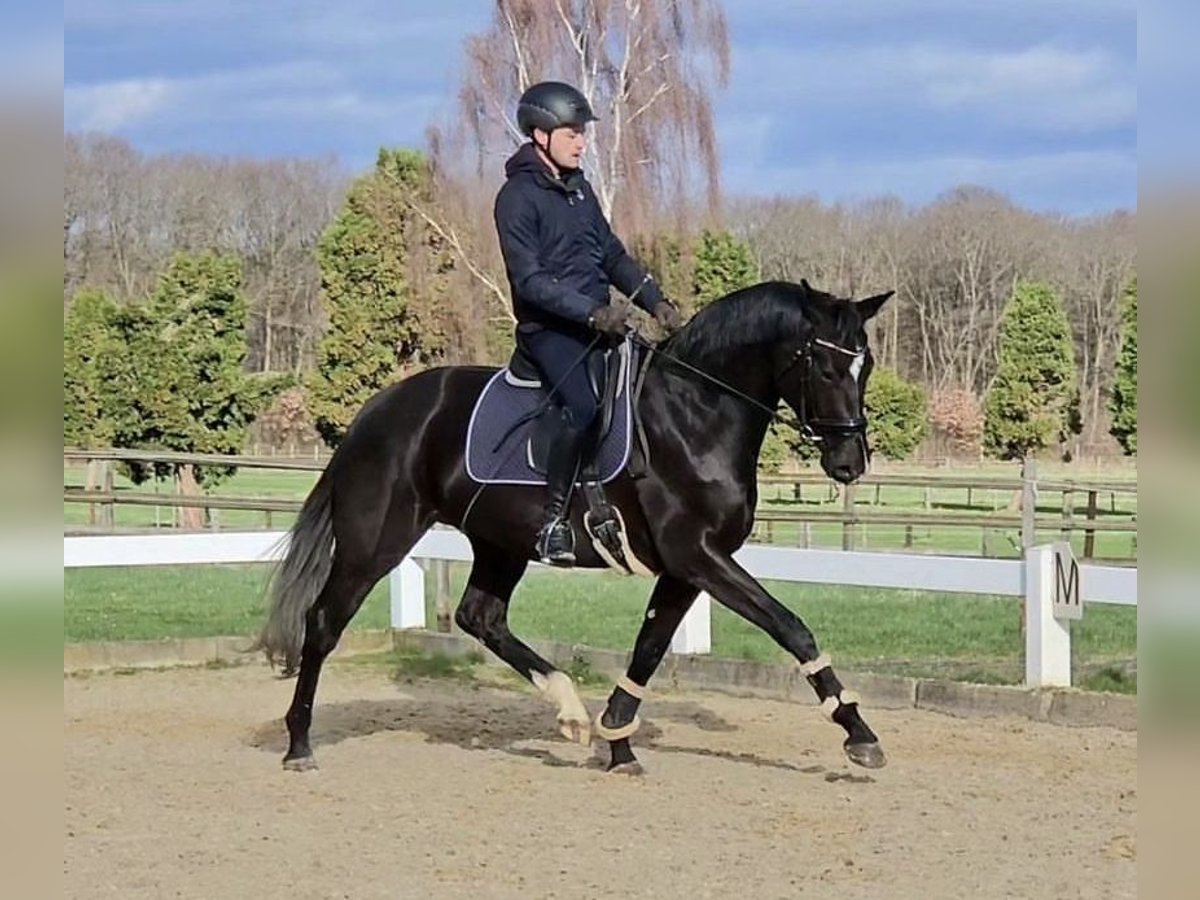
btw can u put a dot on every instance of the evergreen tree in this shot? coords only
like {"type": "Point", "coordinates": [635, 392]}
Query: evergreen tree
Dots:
{"type": "Point", "coordinates": [1123, 401]}
{"type": "Point", "coordinates": [380, 325]}
{"type": "Point", "coordinates": [1033, 402]}
{"type": "Point", "coordinates": [177, 380]}
{"type": "Point", "coordinates": [896, 413]}
{"type": "Point", "coordinates": [88, 344]}
{"type": "Point", "coordinates": [723, 264]}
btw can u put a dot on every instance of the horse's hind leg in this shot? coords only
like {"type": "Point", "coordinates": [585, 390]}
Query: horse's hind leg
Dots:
{"type": "Point", "coordinates": [483, 613]}
{"type": "Point", "coordinates": [668, 604]}
{"type": "Point", "coordinates": [350, 580]}
{"type": "Point", "coordinates": [339, 600]}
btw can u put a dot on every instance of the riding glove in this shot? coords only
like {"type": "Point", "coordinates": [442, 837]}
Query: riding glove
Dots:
{"type": "Point", "coordinates": [609, 320]}
{"type": "Point", "coordinates": [668, 317]}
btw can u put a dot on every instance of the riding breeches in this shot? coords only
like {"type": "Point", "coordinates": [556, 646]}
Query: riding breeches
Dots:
{"type": "Point", "coordinates": [563, 361]}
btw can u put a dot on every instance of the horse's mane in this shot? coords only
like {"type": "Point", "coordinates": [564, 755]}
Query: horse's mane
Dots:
{"type": "Point", "coordinates": [764, 314]}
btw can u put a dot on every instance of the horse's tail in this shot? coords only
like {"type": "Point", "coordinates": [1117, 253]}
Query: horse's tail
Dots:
{"type": "Point", "coordinates": [297, 582]}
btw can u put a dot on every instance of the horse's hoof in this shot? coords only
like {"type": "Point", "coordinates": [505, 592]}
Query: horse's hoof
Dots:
{"type": "Point", "coordinates": [576, 732]}
{"type": "Point", "coordinates": [869, 756]}
{"type": "Point", "coordinates": [627, 768]}
{"type": "Point", "coordinates": [300, 763]}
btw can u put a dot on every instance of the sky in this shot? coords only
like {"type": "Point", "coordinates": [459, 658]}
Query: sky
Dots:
{"type": "Point", "coordinates": [842, 99]}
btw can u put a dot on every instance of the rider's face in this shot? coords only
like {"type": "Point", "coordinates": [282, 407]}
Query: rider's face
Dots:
{"type": "Point", "coordinates": [566, 145]}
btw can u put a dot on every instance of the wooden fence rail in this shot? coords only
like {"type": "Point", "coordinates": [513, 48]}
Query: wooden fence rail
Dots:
{"type": "Point", "coordinates": [853, 516]}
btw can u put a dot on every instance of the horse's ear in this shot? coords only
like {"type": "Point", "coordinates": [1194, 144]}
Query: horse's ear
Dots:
{"type": "Point", "coordinates": [867, 308]}
{"type": "Point", "coordinates": [804, 284]}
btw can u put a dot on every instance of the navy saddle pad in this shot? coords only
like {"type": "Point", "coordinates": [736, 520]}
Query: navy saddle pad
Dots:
{"type": "Point", "coordinates": [494, 458]}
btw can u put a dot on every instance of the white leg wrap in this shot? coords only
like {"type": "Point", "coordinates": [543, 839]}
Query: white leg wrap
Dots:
{"type": "Point", "coordinates": [573, 719]}
{"type": "Point", "coordinates": [632, 688]}
{"type": "Point", "coordinates": [810, 669]}
{"type": "Point", "coordinates": [615, 734]}
{"type": "Point", "coordinates": [830, 705]}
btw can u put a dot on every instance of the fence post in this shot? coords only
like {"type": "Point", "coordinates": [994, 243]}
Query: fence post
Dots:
{"type": "Point", "coordinates": [107, 516]}
{"type": "Point", "coordinates": [441, 570]}
{"type": "Point", "coordinates": [1028, 502]}
{"type": "Point", "coordinates": [1047, 639]}
{"type": "Point", "coordinates": [1068, 513]}
{"type": "Point", "coordinates": [1089, 535]}
{"type": "Point", "coordinates": [406, 584]}
{"type": "Point", "coordinates": [1028, 523]}
{"type": "Point", "coordinates": [694, 633]}
{"type": "Point", "coordinates": [847, 517]}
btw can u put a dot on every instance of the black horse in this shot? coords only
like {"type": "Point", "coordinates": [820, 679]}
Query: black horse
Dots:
{"type": "Point", "coordinates": [706, 401]}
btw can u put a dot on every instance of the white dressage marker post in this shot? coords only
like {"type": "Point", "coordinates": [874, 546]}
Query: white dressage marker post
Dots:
{"type": "Point", "coordinates": [694, 633]}
{"type": "Point", "coordinates": [406, 588]}
{"type": "Point", "coordinates": [406, 583]}
{"type": "Point", "coordinates": [1052, 589]}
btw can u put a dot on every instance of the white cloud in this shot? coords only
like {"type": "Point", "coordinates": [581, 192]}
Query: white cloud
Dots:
{"type": "Point", "coordinates": [1042, 88]}
{"type": "Point", "coordinates": [333, 27]}
{"type": "Point", "coordinates": [289, 93]}
{"type": "Point", "coordinates": [116, 104]}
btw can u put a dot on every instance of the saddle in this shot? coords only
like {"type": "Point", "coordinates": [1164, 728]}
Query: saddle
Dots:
{"type": "Point", "coordinates": [605, 372]}
{"type": "Point", "coordinates": [514, 423]}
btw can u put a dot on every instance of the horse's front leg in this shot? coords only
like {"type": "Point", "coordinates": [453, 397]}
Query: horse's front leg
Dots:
{"type": "Point", "coordinates": [716, 572]}
{"type": "Point", "coordinates": [668, 604]}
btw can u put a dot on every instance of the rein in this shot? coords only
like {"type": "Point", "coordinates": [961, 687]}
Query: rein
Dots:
{"type": "Point", "coordinates": [806, 425]}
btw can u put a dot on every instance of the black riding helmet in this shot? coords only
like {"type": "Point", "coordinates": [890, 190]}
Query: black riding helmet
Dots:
{"type": "Point", "coordinates": [551, 104]}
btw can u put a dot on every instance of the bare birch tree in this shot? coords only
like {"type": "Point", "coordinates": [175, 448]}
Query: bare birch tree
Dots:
{"type": "Point", "coordinates": [649, 68]}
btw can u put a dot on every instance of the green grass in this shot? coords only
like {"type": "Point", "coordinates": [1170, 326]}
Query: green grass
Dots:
{"type": "Point", "coordinates": [894, 632]}
{"type": "Point", "coordinates": [177, 601]}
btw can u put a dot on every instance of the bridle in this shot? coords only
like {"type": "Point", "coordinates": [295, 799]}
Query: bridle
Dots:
{"type": "Point", "coordinates": [815, 428]}
{"type": "Point", "coordinates": [811, 428]}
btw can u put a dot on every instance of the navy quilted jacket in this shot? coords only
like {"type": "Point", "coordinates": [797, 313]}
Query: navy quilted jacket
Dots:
{"type": "Point", "coordinates": [560, 253]}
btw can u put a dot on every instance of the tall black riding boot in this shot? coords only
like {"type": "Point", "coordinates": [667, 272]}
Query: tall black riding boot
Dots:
{"type": "Point", "coordinates": [556, 542]}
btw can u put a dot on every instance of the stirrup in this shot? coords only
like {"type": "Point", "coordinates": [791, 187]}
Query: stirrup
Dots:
{"type": "Point", "coordinates": [556, 543]}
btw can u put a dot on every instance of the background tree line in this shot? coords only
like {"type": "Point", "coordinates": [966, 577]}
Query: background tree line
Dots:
{"type": "Point", "coordinates": [350, 282]}
{"type": "Point", "coordinates": [954, 264]}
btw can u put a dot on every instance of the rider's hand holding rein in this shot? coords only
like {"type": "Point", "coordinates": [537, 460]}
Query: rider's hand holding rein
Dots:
{"type": "Point", "coordinates": [609, 319]}
{"type": "Point", "coordinates": [668, 317]}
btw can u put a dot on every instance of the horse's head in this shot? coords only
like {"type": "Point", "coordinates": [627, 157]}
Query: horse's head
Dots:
{"type": "Point", "coordinates": [824, 379]}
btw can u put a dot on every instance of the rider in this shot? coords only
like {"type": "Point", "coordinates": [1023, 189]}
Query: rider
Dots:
{"type": "Point", "coordinates": [561, 257]}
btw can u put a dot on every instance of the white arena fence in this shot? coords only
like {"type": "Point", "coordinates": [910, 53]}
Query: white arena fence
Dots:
{"type": "Point", "coordinates": [1042, 577]}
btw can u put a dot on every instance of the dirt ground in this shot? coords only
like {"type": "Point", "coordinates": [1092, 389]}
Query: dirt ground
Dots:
{"type": "Point", "coordinates": [440, 788]}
